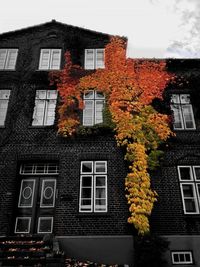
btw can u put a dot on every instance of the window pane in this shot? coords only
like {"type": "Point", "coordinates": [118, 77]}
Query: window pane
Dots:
{"type": "Point", "coordinates": [188, 116]}
{"type": "Point", "coordinates": [4, 94]}
{"type": "Point", "coordinates": [86, 193]}
{"type": "Point", "coordinates": [175, 99]}
{"type": "Point", "coordinates": [100, 193]}
{"type": "Point", "coordinates": [44, 59]}
{"type": "Point", "coordinates": [100, 205]}
{"type": "Point", "coordinates": [87, 181]}
{"type": "Point", "coordinates": [88, 113]}
{"type": "Point", "coordinates": [38, 115]}
{"type": "Point", "coordinates": [89, 59]}
{"type": "Point", "coordinates": [100, 166]}
{"type": "Point", "coordinates": [178, 120]}
{"type": "Point", "coordinates": [86, 205]}
{"type": "Point", "coordinates": [99, 58]}
{"type": "Point", "coordinates": [55, 59]}
{"type": "Point", "coordinates": [190, 205]}
{"type": "Point", "coordinates": [185, 99]}
{"type": "Point", "coordinates": [185, 173]}
{"type": "Point", "coordinates": [86, 167]}
{"type": "Point", "coordinates": [51, 94]}
{"type": "Point", "coordinates": [89, 95]}
{"type": "Point", "coordinates": [176, 257]}
{"type": "Point", "coordinates": [99, 95]}
{"type": "Point", "coordinates": [50, 112]}
{"type": "Point", "coordinates": [197, 173]}
{"type": "Point", "coordinates": [99, 111]}
{"type": "Point", "coordinates": [41, 94]}
{"type": "Point", "coordinates": [11, 59]}
{"type": "Point", "coordinates": [100, 181]}
{"type": "Point", "coordinates": [2, 58]}
{"type": "Point", "coordinates": [188, 190]}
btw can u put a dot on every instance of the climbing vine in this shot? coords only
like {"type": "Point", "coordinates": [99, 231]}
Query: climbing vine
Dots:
{"type": "Point", "coordinates": [129, 86]}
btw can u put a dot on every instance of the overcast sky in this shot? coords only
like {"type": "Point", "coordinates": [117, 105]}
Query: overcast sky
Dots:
{"type": "Point", "coordinates": [155, 28]}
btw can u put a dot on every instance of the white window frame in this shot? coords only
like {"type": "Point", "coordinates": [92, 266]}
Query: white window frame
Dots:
{"type": "Point", "coordinates": [94, 64]}
{"type": "Point", "coordinates": [29, 225]}
{"type": "Point", "coordinates": [194, 183]}
{"type": "Point", "coordinates": [45, 114]}
{"type": "Point", "coordinates": [94, 100]}
{"type": "Point", "coordinates": [4, 65]}
{"type": "Point", "coordinates": [93, 176]}
{"type": "Point", "coordinates": [178, 106]}
{"type": "Point", "coordinates": [39, 222]}
{"type": "Point", "coordinates": [34, 169]}
{"type": "Point", "coordinates": [6, 100]}
{"type": "Point", "coordinates": [49, 65]}
{"type": "Point", "coordinates": [173, 253]}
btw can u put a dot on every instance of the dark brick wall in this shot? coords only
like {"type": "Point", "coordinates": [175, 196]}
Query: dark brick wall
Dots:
{"type": "Point", "coordinates": [21, 142]}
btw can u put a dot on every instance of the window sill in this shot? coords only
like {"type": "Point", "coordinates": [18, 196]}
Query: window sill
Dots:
{"type": "Point", "coordinates": [2, 127]}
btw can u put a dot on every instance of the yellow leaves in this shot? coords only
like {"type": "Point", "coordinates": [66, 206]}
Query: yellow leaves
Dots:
{"type": "Point", "coordinates": [129, 86]}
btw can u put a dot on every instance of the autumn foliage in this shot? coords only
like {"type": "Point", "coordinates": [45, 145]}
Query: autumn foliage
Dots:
{"type": "Point", "coordinates": [129, 86]}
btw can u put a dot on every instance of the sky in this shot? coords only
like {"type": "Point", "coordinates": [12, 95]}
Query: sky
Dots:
{"type": "Point", "coordinates": [154, 28]}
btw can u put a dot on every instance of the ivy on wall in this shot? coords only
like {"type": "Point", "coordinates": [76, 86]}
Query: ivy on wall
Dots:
{"type": "Point", "coordinates": [130, 86]}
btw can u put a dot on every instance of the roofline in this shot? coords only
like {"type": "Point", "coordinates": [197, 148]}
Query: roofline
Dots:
{"type": "Point", "coordinates": [53, 21]}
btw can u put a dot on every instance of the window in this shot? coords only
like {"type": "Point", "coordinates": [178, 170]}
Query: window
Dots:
{"type": "Point", "coordinates": [50, 59]}
{"type": "Point", "coordinates": [93, 110]}
{"type": "Point", "coordinates": [183, 112]}
{"type": "Point", "coordinates": [45, 105]}
{"type": "Point", "coordinates": [93, 186]}
{"type": "Point", "coordinates": [182, 257]}
{"type": "Point", "coordinates": [94, 59]}
{"type": "Point", "coordinates": [39, 168]}
{"type": "Point", "coordinates": [8, 58]}
{"type": "Point", "coordinates": [189, 177]}
{"type": "Point", "coordinates": [4, 98]}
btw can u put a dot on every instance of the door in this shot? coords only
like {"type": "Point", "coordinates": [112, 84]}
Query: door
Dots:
{"type": "Point", "coordinates": [35, 206]}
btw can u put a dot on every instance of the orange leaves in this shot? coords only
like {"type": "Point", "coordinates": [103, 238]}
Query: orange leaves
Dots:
{"type": "Point", "coordinates": [129, 86]}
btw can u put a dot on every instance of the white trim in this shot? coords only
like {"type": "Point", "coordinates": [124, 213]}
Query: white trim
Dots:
{"type": "Point", "coordinates": [189, 198]}
{"type": "Point", "coordinates": [178, 106]}
{"type": "Point", "coordinates": [86, 60]}
{"type": "Point", "coordinates": [100, 161]}
{"type": "Point", "coordinates": [191, 174]}
{"type": "Point", "coordinates": [42, 193]}
{"type": "Point", "coordinates": [39, 222]}
{"type": "Point", "coordinates": [49, 64]}
{"type": "Point", "coordinates": [97, 66]}
{"type": "Point", "coordinates": [93, 176]}
{"type": "Point", "coordinates": [106, 196]}
{"type": "Point", "coordinates": [80, 195]}
{"type": "Point", "coordinates": [181, 253]}
{"type": "Point", "coordinates": [7, 57]}
{"type": "Point", "coordinates": [29, 224]}
{"type": "Point", "coordinates": [31, 204]}
{"type": "Point", "coordinates": [34, 169]}
{"type": "Point", "coordinates": [91, 115]}
{"type": "Point", "coordinates": [88, 161]}
{"type": "Point", "coordinates": [4, 100]}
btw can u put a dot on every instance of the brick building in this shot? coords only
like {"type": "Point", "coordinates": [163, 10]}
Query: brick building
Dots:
{"type": "Point", "coordinates": [74, 188]}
